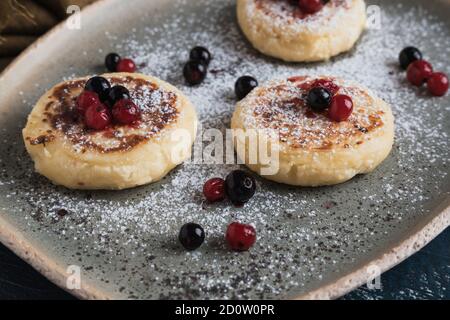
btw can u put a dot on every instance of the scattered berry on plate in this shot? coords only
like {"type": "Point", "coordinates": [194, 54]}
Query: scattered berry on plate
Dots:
{"type": "Point", "coordinates": [240, 187]}
{"type": "Point", "coordinates": [194, 72]}
{"type": "Point", "coordinates": [408, 56]}
{"type": "Point", "coordinates": [126, 111]}
{"type": "Point", "coordinates": [244, 85]}
{"type": "Point", "coordinates": [319, 99]}
{"type": "Point", "coordinates": [100, 86]}
{"type": "Point", "coordinates": [126, 65]}
{"type": "Point", "coordinates": [341, 108]}
{"type": "Point", "coordinates": [438, 84]}
{"type": "Point", "coordinates": [85, 100]}
{"type": "Point", "coordinates": [200, 54]}
{"type": "Point", "coordinates": [418, 72]}
{"type": "Point", "coordinates": [117, 93]}
{"type": "Point", "coordinates": [191, 236]}
{"type": "Point", "coordinates": [332, 87]}
{"type": "Point", "coordinates": [62, 212]}
{"type": "Point", "coordinates": [111, 62]}
{"type": "Point", "coordinates": [97, 116]}
{"type": "Point", "coordinates": [214, 189]}
{"type": "Point", "coordinates": [310, 6]}
{"type": "Point", "coordinates": [240, 237]}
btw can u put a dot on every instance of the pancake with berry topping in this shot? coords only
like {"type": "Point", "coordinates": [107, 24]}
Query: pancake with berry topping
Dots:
{"type": "Point", "coordinates": [314, 148]}
{"type": "Point", "coordinates": [298, 31]}
{"type": "Point", "coordinates": [137, 141]}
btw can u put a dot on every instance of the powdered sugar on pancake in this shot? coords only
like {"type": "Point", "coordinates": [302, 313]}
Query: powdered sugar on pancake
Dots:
{"type": "Point", "coordinates": [158, 107]}
{"type": "Point", "coordinates": [284, 14]}
{"type": "Point", "coordinates": [281, 106]}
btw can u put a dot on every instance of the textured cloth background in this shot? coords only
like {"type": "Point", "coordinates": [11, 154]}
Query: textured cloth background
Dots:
{"type": "Point", "coordinates": [23, 21]}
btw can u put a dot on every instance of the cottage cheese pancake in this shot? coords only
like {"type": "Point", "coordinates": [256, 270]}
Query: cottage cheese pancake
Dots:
{"type": "Point", "coordinates": [281, 29]}
{"type": "Point", "coordinates": [313, 149]}
{"type": "Point", "coordinates": [120, 156]}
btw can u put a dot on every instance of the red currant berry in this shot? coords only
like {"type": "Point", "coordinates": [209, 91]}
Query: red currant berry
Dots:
{"type": "Point", "coordinates": [341, 108]}
{"type": "Point", "coordinates": [126, 111]}
{"type": "Point", "coordinates": [214, 190]}
{"type": "Point", "coordinates": [126, 65]}
{"type": "Point", "coordinates": [240, 237]}
{"type": "Point", "coordinates": [86, 99]}
{"type": "Point", "coordinates": [310, 6]}
{"type": "Point", "coordinates": [438, 84]}
{"type": "Point", "coordinates": [418, 72]}
{"type": "Point", "coordinates": [327, 84]}
{"type": "Point", "coordinates": [97, 116]}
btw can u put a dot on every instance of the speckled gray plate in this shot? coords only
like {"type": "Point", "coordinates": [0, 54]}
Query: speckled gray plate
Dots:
{"type": "Point", "coordinates": [313, 243]}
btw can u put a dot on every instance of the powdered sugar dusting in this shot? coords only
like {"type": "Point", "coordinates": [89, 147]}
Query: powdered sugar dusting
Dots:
{"type": "Point", "coordinates": [285, 15]}
{"type": "Point", "coordinates": [159, 108]}
{"type": "Point", "coordinates": [281, 107]}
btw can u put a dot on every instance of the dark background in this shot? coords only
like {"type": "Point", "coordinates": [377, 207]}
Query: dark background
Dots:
{"type": "Point", "coordinates": [425, 275]}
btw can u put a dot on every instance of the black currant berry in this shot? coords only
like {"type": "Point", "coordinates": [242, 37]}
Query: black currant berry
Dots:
{"type": "Point", "coordinates": [191, 236]}
{"type": "Point", "coordinates": [408, 56]}
{"type": "Point", "coordinates": [100, 86]}
{"type": "Point", "coordinates": [194, 72]}
{"type": "Point", "coordinates": [200, 54]}
{"type": "Point", "coordinates": [244, 85]}
{"type": "Point", "coordinates": [319, 99]}
{"type": "Point", "coordinates": [240, 187]}
{"type": "Point", "coordinates": [117, 93]}
{"type": "Point", "coordinates": [111, 62]}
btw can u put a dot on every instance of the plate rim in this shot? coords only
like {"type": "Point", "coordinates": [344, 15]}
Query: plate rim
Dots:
{"type": "Point", "coordinates": [413, 241]}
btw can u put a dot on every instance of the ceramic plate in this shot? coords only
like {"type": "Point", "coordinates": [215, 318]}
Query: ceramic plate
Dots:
{"type": "Point", "coordinates": [312, 243]}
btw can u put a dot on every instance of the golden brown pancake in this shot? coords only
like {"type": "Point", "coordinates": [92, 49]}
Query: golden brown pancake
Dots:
{"type": "Point", "coordinates": [314, 150]}
{"type": "Point", "coordinates": [121, 156]}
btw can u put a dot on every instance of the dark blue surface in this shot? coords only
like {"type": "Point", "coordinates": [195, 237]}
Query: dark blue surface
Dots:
{"type": "Point", "coordinates": [426, 275]}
